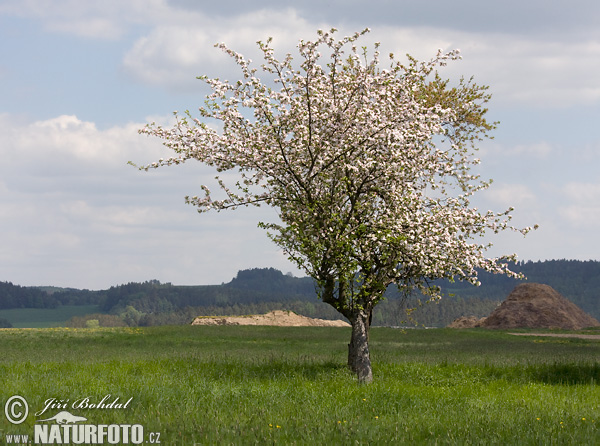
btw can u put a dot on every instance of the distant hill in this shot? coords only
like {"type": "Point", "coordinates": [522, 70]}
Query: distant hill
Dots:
{"type": "Point", "coordinates": [15, 296]}
{"type": "Point", "coordinates": [266, 289]}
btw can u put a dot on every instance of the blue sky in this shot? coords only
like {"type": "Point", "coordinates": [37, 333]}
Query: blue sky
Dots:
{"type": "Point", "coordinates": [78, 79]}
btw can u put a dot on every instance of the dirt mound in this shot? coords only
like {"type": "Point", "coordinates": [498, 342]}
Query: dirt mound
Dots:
{"type": "Point", "coordinates": [533, 305]}
{"type": "Point", "coordinates": [277, 318]}
{"type": "Point", "coordinates": [467, 322]}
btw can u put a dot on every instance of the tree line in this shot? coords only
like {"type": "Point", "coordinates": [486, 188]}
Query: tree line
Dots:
{"type": "Point", "coordinates": [260, 290]}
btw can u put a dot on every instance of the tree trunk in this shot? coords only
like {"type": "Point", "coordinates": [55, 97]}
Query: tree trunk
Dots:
{"type": "Point", "coordinates": [359, 358]}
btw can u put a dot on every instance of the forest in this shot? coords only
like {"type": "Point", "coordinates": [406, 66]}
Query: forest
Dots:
{"type": "Point", "coordinates": [260, 290]}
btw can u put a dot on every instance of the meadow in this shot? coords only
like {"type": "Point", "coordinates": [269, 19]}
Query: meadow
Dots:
{"type": "Point", "coordinates": [203, 385]}
{"type": "Point", "coordinates": [45, 317]}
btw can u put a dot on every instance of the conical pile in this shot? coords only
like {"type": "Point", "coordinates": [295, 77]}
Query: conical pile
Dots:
{"type": "Point", "coordinates": [533, 305]}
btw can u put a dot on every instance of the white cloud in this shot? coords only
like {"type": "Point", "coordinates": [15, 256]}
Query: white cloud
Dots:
{"type": "Point", "coordinates": [64, 139]}
{"type": "Point", "coordinates": [104, 20]}
{"type": "Point", "coordinates": [73, 213]}
{"type": "Point", "coordinates": [520, 69]}
{"type": "Point", "coordinates": [589, 153]}
{"type": "Point", "coordinates": [506, 195]}
{"type": "Point", "coordinates": [173, 55]}
{"type": "Point", "coordinates": [582, 207]}
{"type": "Point", "coordinates": [495, 151]}
{"type": "Point", "coordinates": [537, 69]}
{"type": "Point", "coordinates": [568, 214]}
{"type": "Point", "coordinates": [89, 27]}
{"type": "Point", "coordinates": [583, 192]}
{"type": "Point", "coordinates": [535, 150]}
{"type": "Point", "coordinates": [581, 215]}
{"type": "Point", "coordinates": [84, 19]}
{"type": "Point", "coordinates": [542, 73]}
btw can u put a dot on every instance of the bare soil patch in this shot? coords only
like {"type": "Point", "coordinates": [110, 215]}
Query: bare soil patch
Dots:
{"type": "Point", "coordinates": [275, 318]}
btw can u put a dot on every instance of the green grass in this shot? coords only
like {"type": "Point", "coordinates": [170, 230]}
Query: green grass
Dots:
{"type": "Point", "coordinates": [45, 317]}
{"type": "Point", "coordinates": [275, 385]}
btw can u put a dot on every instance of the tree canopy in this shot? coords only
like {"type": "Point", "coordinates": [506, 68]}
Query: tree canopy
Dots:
{"type": "Point", "coordinates": [369, 168]}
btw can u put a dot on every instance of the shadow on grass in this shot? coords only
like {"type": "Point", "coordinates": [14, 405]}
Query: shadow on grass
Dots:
{"type": "Point", "coordinates": [309, 371]}
{"type": "Point", "coordinates": [555, 374]}
{"type": "Point", "coordinates": [275, 370]}
{"type": "Point", "coordinates": [278, 369]}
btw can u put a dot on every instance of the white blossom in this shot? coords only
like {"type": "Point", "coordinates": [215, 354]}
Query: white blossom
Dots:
{"type": "Point", "coordinates": [368, 167]}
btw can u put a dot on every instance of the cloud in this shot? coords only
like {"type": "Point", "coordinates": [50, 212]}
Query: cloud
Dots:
{"type": "Point", "coordinates": [538, 150]}
{"type": "Point", "coordinates": [511, 17]}
{"type": "Point", "coordinates": [540, 56]}
{"type": "Point", "coordinates": [520, 69]}
{"type": "Point", "coordinates": [494, 151]}
{"type": "Point", "coordinates": [542, 73]}
{"type": "Point", "coordinates": [582, 208]}
{"type": "Point", "coordinates": [73, 213]}
{"type": "Point", "coordinates": [173, 55]}
{"type": "Point", "coordinates": [65, 173]}
{"type": "Point", "coordinates": [499, 197]}
{"type": "Point", "coordinates": [531, 70]}
{"type": "Point", "coordinates": [84, 19]}
{"type": "Point", "coordinates": [589, 153]}
{"type": "Point", "coordinates": [100, 20]}
{"type": "Point", "coordinates": [568, 213]}
{"type": "Point", "coordinates": [583, 192]}
{"type": "Point", "coordinates": [66, 138]}
{"type": "Point", "coordinates": [89, 27]}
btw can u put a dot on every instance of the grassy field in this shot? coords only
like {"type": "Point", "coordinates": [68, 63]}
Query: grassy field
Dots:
{"type": "Point", "coordinates": [274, 385]}
{"type": "Point", "coordinates": [45, 317]}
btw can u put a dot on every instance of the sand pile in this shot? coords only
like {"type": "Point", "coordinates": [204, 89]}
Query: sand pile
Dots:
{"type": "Point", "coordinates": [467, 322]}
{"type": "Point", "coordinates": [277, 318]}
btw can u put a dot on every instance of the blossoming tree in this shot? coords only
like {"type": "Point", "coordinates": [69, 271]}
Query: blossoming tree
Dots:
{"type": "Point", "coordinates": [368, 168]}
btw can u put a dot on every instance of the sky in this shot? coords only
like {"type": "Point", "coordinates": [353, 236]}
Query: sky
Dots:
{"type": "Point", "coordinates": [78, 79]}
